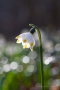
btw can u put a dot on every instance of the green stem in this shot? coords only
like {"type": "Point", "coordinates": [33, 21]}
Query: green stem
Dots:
{"type": "Point", "coordinates": [41, 55]}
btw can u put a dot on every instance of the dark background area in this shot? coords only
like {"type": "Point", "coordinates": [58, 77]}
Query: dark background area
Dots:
{"type": "Point", "coordinates": [16, 15]}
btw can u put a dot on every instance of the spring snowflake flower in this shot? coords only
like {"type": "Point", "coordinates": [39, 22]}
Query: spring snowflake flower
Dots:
{"type": "Point", "coordinates": [26, 39]}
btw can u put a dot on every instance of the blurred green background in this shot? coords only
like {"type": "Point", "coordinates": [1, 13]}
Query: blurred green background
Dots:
{"type": "Point", "coordinates": [20, 68]}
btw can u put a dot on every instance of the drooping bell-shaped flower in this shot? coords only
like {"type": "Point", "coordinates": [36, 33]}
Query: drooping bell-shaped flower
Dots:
{"type": "Point", "coordinates": [26, 39]}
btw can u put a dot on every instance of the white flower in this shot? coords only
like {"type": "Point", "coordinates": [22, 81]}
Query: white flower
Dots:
{"type": "Point", "coordinates": [26, 39]}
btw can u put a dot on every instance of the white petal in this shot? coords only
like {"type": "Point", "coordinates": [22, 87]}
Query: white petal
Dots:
{"type": "Point", "coordinates": [29, 37]}
{"type": "Point", "coordinates": [17, 37]}
{"type": "Point", "coordinates": [26, 45]}
{"type": "Point", "coordinates": [18, 41]}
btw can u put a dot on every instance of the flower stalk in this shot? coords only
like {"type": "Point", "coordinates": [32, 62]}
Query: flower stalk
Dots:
{"type": "Point", "coordinates": [41, 55]}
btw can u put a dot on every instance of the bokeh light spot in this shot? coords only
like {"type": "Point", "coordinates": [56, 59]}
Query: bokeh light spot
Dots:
{"type": "Point", "coordinates": [32, 55]}
{"type": "Point", "coordinates": [1, 70]}
{"type": "Point", "coordinates": [20, 68]}
{"type": "Point", "coordinates": [6, 68]}
{"type": "Point", "coordinates": [31, 68]}
{"type": "Point", "coordinates": [25, 59]}
{"type": "Point", "coordinates": [57, 47]}
{"type": "Point", "coordinates": [13, 65]}
{"type": "Point", "coordinates": [49, 60]}
{"type": "Point", "coordinates": [4, 60]}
